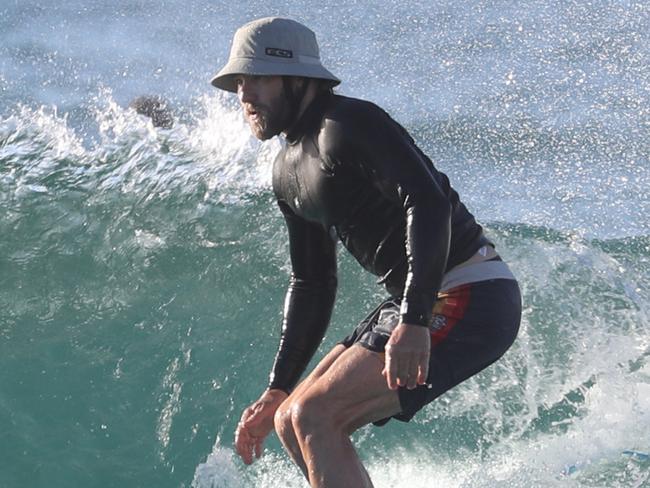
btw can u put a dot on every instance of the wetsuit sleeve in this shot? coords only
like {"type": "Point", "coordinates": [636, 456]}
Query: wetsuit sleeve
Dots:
{"type": "Point", "coordinates": [309, 300]}
{"type": "Point", "coordinates": [383, 153]}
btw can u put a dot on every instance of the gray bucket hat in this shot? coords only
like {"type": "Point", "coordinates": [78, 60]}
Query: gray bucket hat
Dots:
{"type": "Point", "coordinates": [273, 46]}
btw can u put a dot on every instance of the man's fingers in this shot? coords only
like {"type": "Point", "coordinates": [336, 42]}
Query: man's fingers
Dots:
{"type": "Point", "coordinates": [397, 367]}
{"type": "Point", "coordinates": [412, 374]}
{"type": "Point", "coordinates": [243, 444]}
{"type": "Point", "coordinates": [423, 369]}
{"type": "Point", "coordinates": [255, 425]}
{"type": "Point", "coordinates": [247, 445]}
{"type": "Point", "coordinates": [391, 368]}
{"type": "Point", "coordinates": [258, 448]}
{"type": "Point", "coordinates": [407, 368]}
{"type": "Point", "coordinates": [402, 370]}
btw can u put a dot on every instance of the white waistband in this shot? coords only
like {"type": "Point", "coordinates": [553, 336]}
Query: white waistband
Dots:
{"type": "Point", "coordinates": [472, 273]}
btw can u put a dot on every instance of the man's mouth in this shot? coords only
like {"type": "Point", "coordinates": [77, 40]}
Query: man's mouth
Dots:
{"type": "Point", "coordinates": [253, 114]}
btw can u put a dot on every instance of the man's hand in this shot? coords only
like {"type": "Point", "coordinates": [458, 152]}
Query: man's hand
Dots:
{"type": "Point", "coordinates": [407, 356]}
{"type": "Point", "coordinates": [256, 423]}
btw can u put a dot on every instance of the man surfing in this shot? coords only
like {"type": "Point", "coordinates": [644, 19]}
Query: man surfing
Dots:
{"type": "Point", "coordinates": [350, 173]}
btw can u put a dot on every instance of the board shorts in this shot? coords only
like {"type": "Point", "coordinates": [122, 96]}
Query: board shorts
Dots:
{"type": "Point", "coordinates": [472, 326]}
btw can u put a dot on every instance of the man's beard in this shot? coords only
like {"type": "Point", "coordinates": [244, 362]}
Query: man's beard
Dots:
{"type": "Point", "coordinates": [270, 120]}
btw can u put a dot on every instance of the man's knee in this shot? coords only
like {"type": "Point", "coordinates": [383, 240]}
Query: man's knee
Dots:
{"type": "Point", "coordinates": [313, 415]}
{"type": "Point", "coordinates": [295, 414]}
{"type": "Point", "coordinates": [282, 421]}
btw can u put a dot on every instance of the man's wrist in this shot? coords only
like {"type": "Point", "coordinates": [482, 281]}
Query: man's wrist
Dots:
{"type": "Point", "coordinates": [414, 314]}
{"type": "Point", "coordinates": [275, 393]}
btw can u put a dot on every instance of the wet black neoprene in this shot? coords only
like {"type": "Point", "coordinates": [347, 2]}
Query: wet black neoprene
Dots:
{"type": "Point", "coordinates": [349, 172]}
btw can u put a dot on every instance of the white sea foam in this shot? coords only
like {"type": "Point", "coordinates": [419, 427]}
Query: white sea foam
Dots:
{"type": "Point", "coordinates": [222, 469]}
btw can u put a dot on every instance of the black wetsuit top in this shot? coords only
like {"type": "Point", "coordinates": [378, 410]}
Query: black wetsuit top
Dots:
{"type": "Point", "coordinates": [349, 171]}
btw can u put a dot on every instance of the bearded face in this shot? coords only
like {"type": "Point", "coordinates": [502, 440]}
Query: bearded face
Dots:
{"type": "Point", "coordinates": [265, 104]}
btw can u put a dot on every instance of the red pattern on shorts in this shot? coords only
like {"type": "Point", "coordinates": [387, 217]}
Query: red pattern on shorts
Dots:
{"type": "Point", "coordinates": [449, 309]}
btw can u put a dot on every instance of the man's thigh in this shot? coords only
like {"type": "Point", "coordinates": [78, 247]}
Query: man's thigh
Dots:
{"type": "Point", "coordinates": [317, 372]}
{"type": "Point", "coordinates": [351, 392]}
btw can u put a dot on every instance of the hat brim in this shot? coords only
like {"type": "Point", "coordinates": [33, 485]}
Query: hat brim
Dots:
{"type": "Point", "coordinates": [225, 79]}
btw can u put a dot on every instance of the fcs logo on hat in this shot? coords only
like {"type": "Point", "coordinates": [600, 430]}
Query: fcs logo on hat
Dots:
{"type": "Point", "coordinates": [279, 53]}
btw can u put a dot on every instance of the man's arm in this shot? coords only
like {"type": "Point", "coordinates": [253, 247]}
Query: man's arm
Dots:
{"type": "Point", "coordinates": [402, 171]}
{"type": "Point", "coordinates": [309, 300]}
{"type": "Point", "coordinates": [307, 311]}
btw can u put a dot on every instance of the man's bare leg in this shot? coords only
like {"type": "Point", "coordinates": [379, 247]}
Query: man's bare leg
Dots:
{"type": "Point", "coordinates": [283, 423]}
{"type": "Point", "coordinates": [349, 393]}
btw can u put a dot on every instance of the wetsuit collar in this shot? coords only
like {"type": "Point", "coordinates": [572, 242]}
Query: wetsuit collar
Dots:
{"type": "Point", "coordinates": [309, 117]}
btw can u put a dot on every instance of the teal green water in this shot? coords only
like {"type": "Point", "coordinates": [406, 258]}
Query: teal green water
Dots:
{"type": "Point", "coordinates": [142, 271]}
